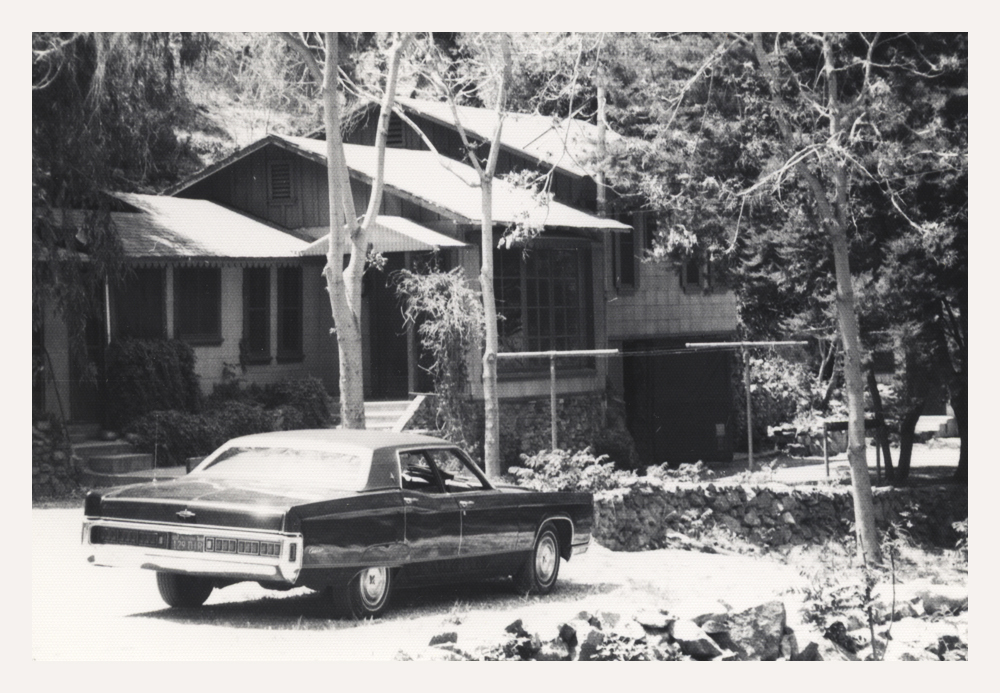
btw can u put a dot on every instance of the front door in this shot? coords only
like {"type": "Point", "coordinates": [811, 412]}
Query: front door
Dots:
{"type": "Point", "coordinates": [86, 370]}
{"type": "Point", "coordinates": [387, 343]}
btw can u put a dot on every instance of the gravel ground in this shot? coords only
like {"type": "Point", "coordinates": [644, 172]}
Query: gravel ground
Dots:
{"type": "Point", "coordinates": [80, 612]}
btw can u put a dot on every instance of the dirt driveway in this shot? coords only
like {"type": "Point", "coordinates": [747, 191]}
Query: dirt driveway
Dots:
{"type": "Point", "coordinates": [80, 612]}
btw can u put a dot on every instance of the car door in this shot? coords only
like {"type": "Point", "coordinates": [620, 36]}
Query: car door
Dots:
{"type": "Point", "coordinates": [433, 524]}
{"type": "Point", "coordinates": [490, 518]}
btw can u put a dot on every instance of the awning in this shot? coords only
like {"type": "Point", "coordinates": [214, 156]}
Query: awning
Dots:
{"type": "Point", "coordinates": [390, 235]}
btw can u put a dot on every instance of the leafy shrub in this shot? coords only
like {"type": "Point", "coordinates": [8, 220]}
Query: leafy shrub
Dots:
{"type": "Point", "coordinates": [307, 397]}
{"type": "Point", "coordinates": [149, 375]}
{"type": "Point", "coordinates": [616, 442]}
{"type": "Point", "coordinates": [231, 411]}
{"type": "Point", "coordinates": [780, 390]}
{"type": "Point", "coordinates": [174, 435]}
{"type": "Point", "coordinates": [686, 472]}
{"type": "Point", "coordinates": [449, 319]}
{"type": "Point", "coordinates": [561, 470]}
{"type": "Point", "coordinates": [313, 406]}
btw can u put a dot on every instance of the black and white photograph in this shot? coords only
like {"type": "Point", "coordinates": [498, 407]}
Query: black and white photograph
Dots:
{"type": "Point", "coordinates": [500, 346]}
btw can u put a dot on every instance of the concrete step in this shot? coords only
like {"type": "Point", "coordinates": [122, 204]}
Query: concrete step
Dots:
{"type": "Point", "coordinates": [383, 416]}
{"type": "Point", "coordinates": [120, 463]}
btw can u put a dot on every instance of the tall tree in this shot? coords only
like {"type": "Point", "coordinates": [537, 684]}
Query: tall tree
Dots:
{"type": "Point", "coordinates": [348, 233]}
{"type": "Point", "coordinates": [762, 154]}
{"type": "Point", "coordinates": [487, 72]}
{"type": "Point", "coordinates": [102, 110]}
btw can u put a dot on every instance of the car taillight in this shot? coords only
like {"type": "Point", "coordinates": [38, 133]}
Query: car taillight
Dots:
{"type": "Point", "coordinates": [291, 553]}
{"type": "Point", "coordinates": [92, 504]}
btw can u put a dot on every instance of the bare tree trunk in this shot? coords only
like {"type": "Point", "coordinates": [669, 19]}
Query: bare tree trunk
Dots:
{"type": "Point", "coordinates": [491, 399]}
{"type": "Point", "coordinates": [344, 284]}
{"type": "Point", "coordinates": [347, 322]}
{"type": "Point", "coordinates": [907, 428]}
{"type": "Point", "coordinates": [881, 432]}
{"type": "Point", "coordinates": [833, 218]}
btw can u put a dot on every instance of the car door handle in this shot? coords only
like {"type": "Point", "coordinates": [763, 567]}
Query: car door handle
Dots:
{"type": "Point", "coordinates": [466, 504]}
{"type": "Point", "coordinates": [409, 500]}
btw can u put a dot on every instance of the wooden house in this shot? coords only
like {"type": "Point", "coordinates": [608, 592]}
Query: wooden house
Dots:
{"type": "Point", "coordinates": [230, 260]}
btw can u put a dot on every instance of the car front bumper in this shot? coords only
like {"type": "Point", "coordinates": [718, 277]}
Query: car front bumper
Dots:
{"type": "Point", "coordinates": [209, 551]}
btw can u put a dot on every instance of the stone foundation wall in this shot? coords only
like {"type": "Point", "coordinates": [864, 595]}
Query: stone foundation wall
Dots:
{"type": "Point", "coordinates": [53, 473]}
{"type": "Point", "coordinates": [525, 426]}
{"type": "Point", "coordinates": [637, 518]}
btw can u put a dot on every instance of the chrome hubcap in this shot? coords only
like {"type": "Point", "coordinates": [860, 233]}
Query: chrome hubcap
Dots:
{"type": "Point", "coordinates": [373, 585]}
{"type": "Point", "coordinates": [545, 559]}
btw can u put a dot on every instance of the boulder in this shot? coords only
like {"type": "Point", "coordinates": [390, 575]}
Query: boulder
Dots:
{"type": "Point", "coordinates": [517, 629]}
{"type": "Point", "coordinates": [440, 638]}
{"type": "Point", "coordinates": [630, 630]}
{"type": "Point", "coordinates": [589, 644]}
{"type": "Point", "coordinates": [809, 654]}
{"type": "Point", "coordinates": [693, 641]}
{"type": "Point", "coordinates": [755, 634]}
{"type": "Point", "coordinates": [654, 620]}
{"type": "Point", "coordinates": [938, 599]}
{"type": "Point", "coordinates": [554, 650]}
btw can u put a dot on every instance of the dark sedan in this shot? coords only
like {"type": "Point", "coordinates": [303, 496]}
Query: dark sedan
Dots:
{"type": "Point", "coordinates": [355, 511]}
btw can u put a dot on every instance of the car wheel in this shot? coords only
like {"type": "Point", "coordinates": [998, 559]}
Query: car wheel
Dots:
{"type": "Point", "coordinates": [183, 590]}
{"type": "Point", "coordinates": [367, 594]}
{"type": "Point", "coordinates": [538, 574]}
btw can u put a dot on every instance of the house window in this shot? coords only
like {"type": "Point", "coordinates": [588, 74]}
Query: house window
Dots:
{"type": "Point", "coordinates": [140, 305]}
{"type": "Point", "coordinates": [289, 313]}
{"type": "Point", "coordinates": [198, 304]}
{"type": "Point", "coordinates": [279, 181]}
{"type": "Point", "coordinates": [256, 347]}
{"type": "Point", "coordinates": [624, 253]}
{"type": "Point", "coordinates": [544, 298]}
{"type": "Point", "coordinates": [696, 275]}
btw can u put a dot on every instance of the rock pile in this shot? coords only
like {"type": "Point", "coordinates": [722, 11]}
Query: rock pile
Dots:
{"type": "Point", "coordinates": [760, 633]}
{"type": "Point", "coordinates": [640, 516]}
{"type": "Point", "coordinates": [53, 470]}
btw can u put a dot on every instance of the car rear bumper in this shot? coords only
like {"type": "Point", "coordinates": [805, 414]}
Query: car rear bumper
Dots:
{"type": "Point", "coordinates": [210, 551]}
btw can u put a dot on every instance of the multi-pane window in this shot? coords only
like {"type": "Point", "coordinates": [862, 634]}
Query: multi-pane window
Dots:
{"type": "Point", "coordinates": [198, 304]}
{"type": "Point", "coordinates": [257, 314]}
{"type": "Point", "coordinates": [543, 298]}
{"type": "Point", "coordinates": [289, 313]}
{"type": "Point", "coordinates": [139, 304]}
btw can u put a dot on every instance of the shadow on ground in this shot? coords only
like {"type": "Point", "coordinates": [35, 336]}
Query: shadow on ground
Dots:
{"type": "Point", "coordinates": [311, 610]}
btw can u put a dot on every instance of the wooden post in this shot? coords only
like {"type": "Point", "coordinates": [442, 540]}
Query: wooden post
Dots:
{"type": "Point", "coordinates": [746, 385]}
{"type": "Point", "coordinates": [826, 454]}
{"type": "Point", "coordinates": [552, 399]}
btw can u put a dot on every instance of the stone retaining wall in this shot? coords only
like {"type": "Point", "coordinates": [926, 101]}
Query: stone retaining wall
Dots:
{"type": "Point", "coordinates": [637, 518]}
{"type": "Point", "coordinates": [52, 470]}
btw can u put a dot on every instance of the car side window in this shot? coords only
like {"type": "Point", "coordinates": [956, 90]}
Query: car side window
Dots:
{"type": "Point", "coordinates": [417, 473]}
{"type": "Point", "coordinates": [455, 472]}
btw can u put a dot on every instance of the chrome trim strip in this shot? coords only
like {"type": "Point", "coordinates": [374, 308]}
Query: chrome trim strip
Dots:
{"type": "Point", "coordinates": [222, 565]}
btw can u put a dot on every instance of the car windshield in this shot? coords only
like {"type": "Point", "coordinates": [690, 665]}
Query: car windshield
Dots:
{"type": "Point", "coordinates": [346, 471]}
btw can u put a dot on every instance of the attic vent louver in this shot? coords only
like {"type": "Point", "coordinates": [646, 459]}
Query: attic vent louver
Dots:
{"type": "Point", "coordinates": [280, 181]}
{"type": "Point", "coordinates": [395, 134]}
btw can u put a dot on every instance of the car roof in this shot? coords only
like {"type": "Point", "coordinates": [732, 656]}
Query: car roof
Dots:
{"type": "Point", "coordinates": [371, 440]}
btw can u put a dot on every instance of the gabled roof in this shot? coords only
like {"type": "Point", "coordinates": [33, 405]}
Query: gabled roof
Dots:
{"type": "Point", "coordinates": [570, 144]}
{"type": "Point", "coordinates": [452, 188]}
{"type": "Point", "coordinates": [178, 228]}
{"type": "Point", "coordinates": [445, 186]}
